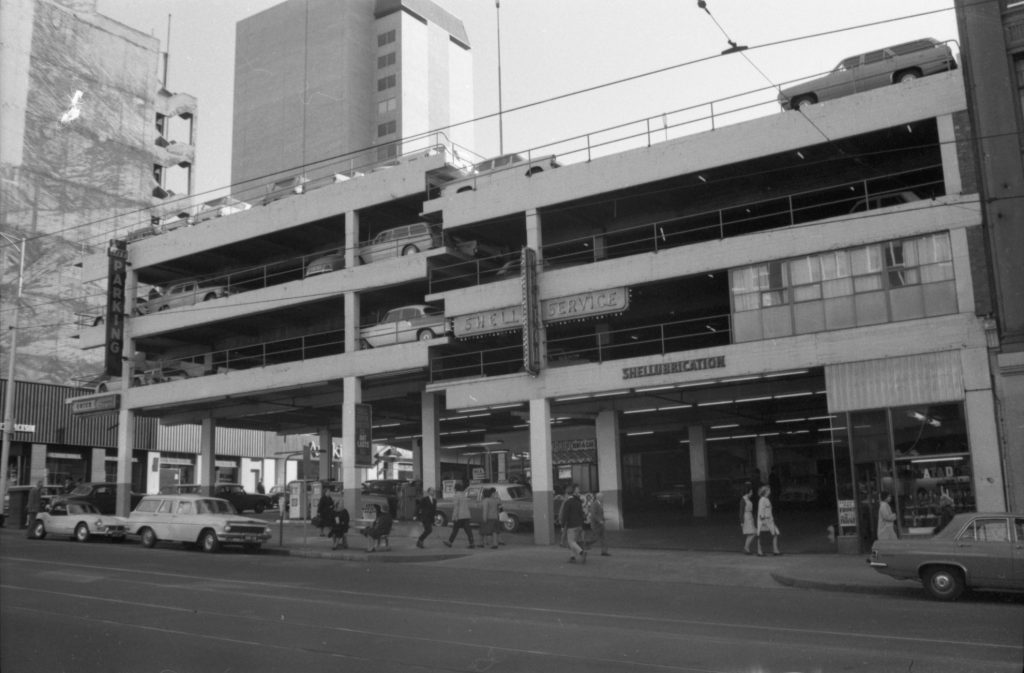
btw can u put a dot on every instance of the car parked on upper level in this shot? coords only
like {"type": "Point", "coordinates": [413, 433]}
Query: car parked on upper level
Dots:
{"type": "Point", "coordinates": [975, 550]}
{"type": "Point", "coordinates": [79, 520]}
{"type": "Point", "coordinates": [415, 322]}
{"type": "Point", "coordinates": [407, 239]}
{"type": "Point", "coordinates": [188, 293]}
{"type": "Point", "coordinates": [884, 200]}
{"type": "Point", "coordinates": [872, 70]}
{"type": "Point", "coordinates": [220, 207]}
{"type": "Point", "coordinates": [333, 260]}
{"type": "Point", "coordinates": [195, 520]}
{"type": "Point", "coordinates": [516, 502]}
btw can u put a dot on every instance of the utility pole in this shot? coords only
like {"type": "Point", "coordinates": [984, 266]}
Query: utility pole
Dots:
{"type": "Point", "coordinates": [5, 455]}
{"type": "Point", "coordinates": [501, 130]}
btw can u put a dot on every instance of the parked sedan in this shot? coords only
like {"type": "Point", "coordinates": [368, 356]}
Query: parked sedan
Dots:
{"type": "Point", "coordinates": [974, 551]}
{"type": "Point", "coordinates": [195, 520]}
{"type": "Point", "coordinates": [416, 322]}
{"type": "Point", "coordinates": [101, 494]}
{"type": "Point", "coordinates": [187, 294]}
{"type": "Point", "coordinates": [333, 260]}
{"type": "Point", "coordinates": [516, 501]}
{"type": "Point", "coordinates": [242, 500]}
{"type": "Point", "coordinates": [221, 207]}
{"type": "Point", "coordinates": [871, 70]}
{"type": "Point", "coordinates": [79, 520]}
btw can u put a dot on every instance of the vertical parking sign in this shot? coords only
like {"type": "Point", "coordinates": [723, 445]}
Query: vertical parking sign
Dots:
{"type": "Point", "coordinates": [364, 435]}
{"type": "Point", "coordinates": [117, 266]}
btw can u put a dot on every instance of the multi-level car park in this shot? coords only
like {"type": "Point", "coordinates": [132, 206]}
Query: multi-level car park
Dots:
{"type": "Point", "coordinates": [710, 280]}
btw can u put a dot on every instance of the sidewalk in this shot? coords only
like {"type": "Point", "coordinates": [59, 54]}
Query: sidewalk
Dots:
{"type": "Point", "coordinates": [642, 555]}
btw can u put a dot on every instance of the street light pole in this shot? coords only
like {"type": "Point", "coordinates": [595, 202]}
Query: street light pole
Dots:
{"type": "Point", "coordinates": [5, 455]}
{"type": "Point", "coordinates": [501, 130]}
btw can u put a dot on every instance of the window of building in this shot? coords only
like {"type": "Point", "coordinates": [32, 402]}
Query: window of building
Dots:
{"type": "Point", "coordinates": [387, 128]}
{"type": "Point", "coordinates": [867, 285]}
{"type": "Point", "coordinates": [386, 60]}
{"type": "Point", "coordinates": [385, 83]}
{"type": "Point", "coordinates": [1018, 68]}
{"type": "Point", "coordinates": [385, 38]}
{"type": "Point", "coordinates": [388, 152]}
{"type": "Point", "coordinates": [387, 105]}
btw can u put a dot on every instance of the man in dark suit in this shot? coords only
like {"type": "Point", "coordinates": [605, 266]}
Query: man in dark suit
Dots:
{"type": "Point", "coordinates": [426, 508]}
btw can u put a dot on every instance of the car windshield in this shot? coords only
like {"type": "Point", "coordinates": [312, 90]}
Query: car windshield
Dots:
{"type": "Point", "coordinates": [81, 490]}
{"type": "Point", "coordinates": [214, 506]}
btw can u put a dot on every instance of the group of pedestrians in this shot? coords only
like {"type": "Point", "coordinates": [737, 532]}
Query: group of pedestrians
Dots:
{"type": "Point", "coordinates": [574, 516]}
{"type": "Point", "coordinates": [490, 527]}
{"type": "Point", "coordinates": [758, 524]}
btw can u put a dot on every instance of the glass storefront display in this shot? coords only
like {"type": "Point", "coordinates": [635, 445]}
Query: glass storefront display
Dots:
{"type": "Point", "coordinates": [919, 454]}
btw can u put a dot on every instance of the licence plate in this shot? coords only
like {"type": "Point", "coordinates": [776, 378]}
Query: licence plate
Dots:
{"type": "Point", "coordinates": [249, 538]}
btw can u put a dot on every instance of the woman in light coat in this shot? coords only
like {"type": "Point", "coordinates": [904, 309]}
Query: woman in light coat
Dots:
{"type": "Point", "coordinates": [747, 517]}
{"type": "Point", "coordinates": [886, 519]}
{"type": "Point", "coordinates": [766, 522]}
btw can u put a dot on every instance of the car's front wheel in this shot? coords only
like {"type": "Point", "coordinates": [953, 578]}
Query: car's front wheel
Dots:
{"type": "Point", "coordinates": [209, 542]}
{"type": "Point", "coordinates": [907, 75]}
{"type": "Point", "coordinates": [39, 530]}
{"type": "Point", "coordinates": [944, 583]}
{"type": "Point", "coordinates": [82, 532]}
{"type": "Point", "coordinates": [800, 101]}
{"type": "Point", "coordinates": [425, 335]}
{"type": "Point", "coordinates": [259, 507]}
{"type": "Point", "coordinates": [511, 523]}
{"type": "Point", "coordinates": [410, 250]}
{"type": "Point", "coordinates": [148, 538]}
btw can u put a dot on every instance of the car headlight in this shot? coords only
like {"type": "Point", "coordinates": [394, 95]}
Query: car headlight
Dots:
{"type": "Point", "coordinates": [98, 523]}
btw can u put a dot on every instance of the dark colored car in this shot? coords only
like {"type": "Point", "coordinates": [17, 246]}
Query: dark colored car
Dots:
{"type": "Point", "coordinates": [102, 494]}
{"type": "Point", "coordinates": [973, 551]}
{"type": "Point", "coordinates": [241, 499]}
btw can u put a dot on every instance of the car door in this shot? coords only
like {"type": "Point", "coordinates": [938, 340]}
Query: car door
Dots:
{"type": "Point", "coordinates": [57, 522]}
{"type": "Point", "coordinates": [404, 329]}
{"type": "Point", "coordinates": [874, 71]}
{"type": "Point", "coordinates": [1017, 581]}
{"type": "Point", "coordinates": [105, 498]}
{"type": "Point", "coordinates": [473, 497]}
{"type": "Point", "coordinates": [183, 521]}
{"type": "Point", "coordinates": [986, 550]}
{"type": "Point", "coordinates": [841, 81]}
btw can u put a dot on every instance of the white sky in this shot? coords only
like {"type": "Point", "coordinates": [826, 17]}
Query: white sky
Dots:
{"type": "Point", "coordinates": [554, 47]}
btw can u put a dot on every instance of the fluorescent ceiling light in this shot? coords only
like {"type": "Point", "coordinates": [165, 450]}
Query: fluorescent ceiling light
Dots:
{"type": "Point", "coordinates": [654, 389]}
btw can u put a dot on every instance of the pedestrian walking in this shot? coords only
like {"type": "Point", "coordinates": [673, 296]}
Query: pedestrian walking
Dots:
{"type": "Point", "coordinates": [597, 522]}
{"type": "Point", "coordinates": [379, 530]}
{"type": "Point", "coordinates": [489, 528]}
{"type": "Point", "coordinates": [766, 526]}
{"type": "Point", "coordinates": [325, 511]}
{"type": "Point", "coordinates": [946, 511]}
{"type": "Point", "coordinates": [426, 510]}
{"type": "Point", "coordinates": [747, 517]}
{"type": "Point", "coordinates": [886, 519]}
{"type": "Point", "coordinates": [460, 517]}
{"type": "Point", "coordinates": [339, 529]}
{"type": "Point", "coordinates": [572, 520]}
{"type": "Point", "coordinates": [33, 507]}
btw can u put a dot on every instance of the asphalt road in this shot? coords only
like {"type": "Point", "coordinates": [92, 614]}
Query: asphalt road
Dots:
{"type": "Point", "coordinates": [100, 607]}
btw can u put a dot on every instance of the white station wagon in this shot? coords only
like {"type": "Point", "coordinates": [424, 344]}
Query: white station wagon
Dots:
{"type": "Point", "coordinates": [195, 519]}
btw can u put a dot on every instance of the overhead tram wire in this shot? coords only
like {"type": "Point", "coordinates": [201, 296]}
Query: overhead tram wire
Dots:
{"type": "Point", "coordinates": [544, 101]}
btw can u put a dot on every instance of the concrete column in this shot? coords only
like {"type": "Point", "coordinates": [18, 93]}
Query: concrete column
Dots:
{"type": "Point", "coordinates": [986, 466]}
{"type": "Point", "coordinates": [125, 442]}
{"type": "Point", "coordinates": [324, 438]}
{"type": "Point", "coordinates": [609, 466]}
{"type": "Point", "coordinates": [699, 470]}
{"type": "Point", "coordinates": [540, 471]}
{"type": "Point", "coordinates": [764, 458]}
{"type": "Point", "coordinates": [351, 242]}
{"type": "Point", "coordinates": [98, 465]}
{"type": "Point", "coordinates": [948, 149]}
{"type": "Point", "coordinates": [353, 392]}
{"type": "Point", "coordinates": [533, 234]}
{"type": "Point", "coordinates": [37, 465]}
{"type": "Point", "coordinates": [207, 467]}
{"type": "Point", "coordinates": [430, 445]}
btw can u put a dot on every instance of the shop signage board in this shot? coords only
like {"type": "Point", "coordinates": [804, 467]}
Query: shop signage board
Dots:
{"type": "Point", "coordinates": [117, 267]}
{"type": "Point", "coordinates": [96, 404]}
{"type": "Point", "coordinates": [18, 427]}
{"type": "Point", "coordinates": [559, 309]}
{"type": "Point", "coordinates": [847, 511]}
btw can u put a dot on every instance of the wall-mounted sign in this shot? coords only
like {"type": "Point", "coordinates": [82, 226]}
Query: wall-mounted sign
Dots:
{"type": "Point", "coordinates": [19, 427]}
{"type": "Point", "coordinates": [364, 435]}
{"type": "Point", "coordinates": [117, 275]}
{"type": "Point", "coordinates": [560, 309]}
{"type": "Point", "coordinates": [532, 324]}
{"type": "Point", "coordinates": [96, 404]}
{"type": "Point", "coordinates": [585, 305]}
{"type": "Point", "coordinates": [695, 365]}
